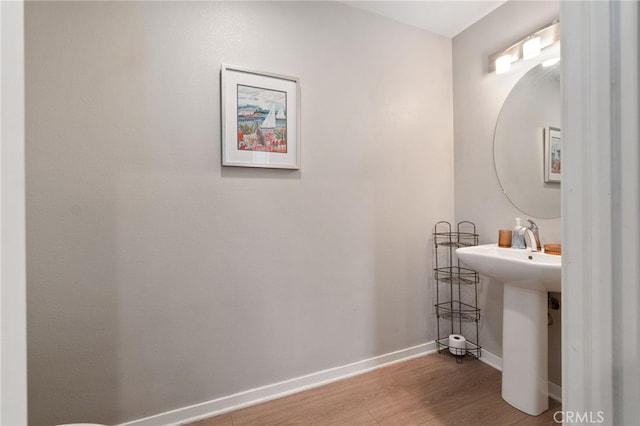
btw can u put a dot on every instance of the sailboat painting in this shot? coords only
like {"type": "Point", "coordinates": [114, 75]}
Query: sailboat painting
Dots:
{"type": "Point", "coordinates": [262, 119]}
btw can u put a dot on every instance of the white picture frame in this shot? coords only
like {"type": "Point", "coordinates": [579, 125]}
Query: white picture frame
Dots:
{"type": "Point", "coordinates": [552, 155]}
{"type": "Point", "coordinates": [260, 119]}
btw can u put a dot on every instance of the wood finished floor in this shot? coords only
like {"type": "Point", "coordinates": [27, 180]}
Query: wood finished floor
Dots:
{"type": "Point", "coordinates": [430, 390]}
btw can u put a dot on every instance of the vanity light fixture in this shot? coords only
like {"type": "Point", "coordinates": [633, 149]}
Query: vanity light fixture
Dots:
{"type": "Point", "coordinates": [527, 48]}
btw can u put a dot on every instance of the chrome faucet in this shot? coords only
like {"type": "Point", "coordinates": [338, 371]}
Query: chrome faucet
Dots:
{"type": "Point", "coordinates": [531, 236]}
{"type": "Point", "coordinates": [534, 228]}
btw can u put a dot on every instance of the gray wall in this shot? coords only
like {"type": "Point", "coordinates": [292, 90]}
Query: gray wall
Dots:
{"type": "Point", "coordinates": [157, 279]}
{"type": "Point", "coordinates": [478, 98]}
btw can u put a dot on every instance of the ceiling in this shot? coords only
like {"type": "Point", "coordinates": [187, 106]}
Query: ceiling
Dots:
{"type": "Point", "coordinates": [444, 17]}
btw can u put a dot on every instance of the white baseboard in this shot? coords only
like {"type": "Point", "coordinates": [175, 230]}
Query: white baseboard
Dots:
{"type": "Point", "coordinates": [555, 391]}
{"type": "Point", "coordinates": [493, 360]}
{"type": "Point", "coordinates": [277, 390]}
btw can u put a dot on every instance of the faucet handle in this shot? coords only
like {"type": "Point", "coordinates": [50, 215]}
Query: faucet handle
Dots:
{"type": "Point", "coordinates": [532, 224]}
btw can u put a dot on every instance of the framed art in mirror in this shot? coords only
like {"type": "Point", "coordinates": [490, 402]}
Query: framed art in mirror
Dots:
{"type": "Point", "coordinates": [552, 155]}
{"type": "Point", "coordinates": [260, 119]}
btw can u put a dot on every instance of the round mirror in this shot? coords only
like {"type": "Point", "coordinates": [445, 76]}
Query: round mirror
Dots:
{"type": "Point", "coordinates": [532, 107]}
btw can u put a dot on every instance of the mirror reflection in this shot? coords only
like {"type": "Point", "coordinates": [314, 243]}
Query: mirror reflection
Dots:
{"type": "Point", "coordinates": [532, 107]}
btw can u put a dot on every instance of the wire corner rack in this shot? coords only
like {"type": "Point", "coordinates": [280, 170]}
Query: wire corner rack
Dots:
{"type": "Point", "coordinates": [456, 305]}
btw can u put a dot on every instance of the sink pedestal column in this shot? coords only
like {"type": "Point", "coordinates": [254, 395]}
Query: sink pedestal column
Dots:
{"type": "Point", "coordinates": [525, 382]}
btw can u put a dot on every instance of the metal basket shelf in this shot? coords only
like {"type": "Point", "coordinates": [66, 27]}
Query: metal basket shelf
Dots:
{"type": "Point", "coordinates": [456, 310]}
{"type": "Point", "coordinates": [465, 235]}
{"type": "Point", "coordinates": [455, 239]}
{"type": "Point", "coordinates": [473, 349]}
{"type": "Point", "coordinates": [456, 275]}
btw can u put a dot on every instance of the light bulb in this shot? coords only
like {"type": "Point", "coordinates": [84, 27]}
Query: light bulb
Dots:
{"type": "Point", "coordinates": [531, 48]}
{"type": "Point", "coordinates": [503, 64]}
{"type": "Point", "coordinates": [550, 62]}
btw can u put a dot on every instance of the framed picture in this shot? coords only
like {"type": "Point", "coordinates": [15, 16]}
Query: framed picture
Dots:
{"type": "Point", "coordinates": [260, 119]}
{"type": "Point", "coordinates": [552, 155]}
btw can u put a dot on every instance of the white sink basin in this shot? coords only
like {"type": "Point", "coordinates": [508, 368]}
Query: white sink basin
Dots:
{"type": "Point", "coordinates": [535, 270]}
{"type": "Point", "coordinates": [527, 277]}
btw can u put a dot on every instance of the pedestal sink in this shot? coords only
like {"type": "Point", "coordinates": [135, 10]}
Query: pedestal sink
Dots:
{"type": "Point", "coordinates": [527, 277]}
